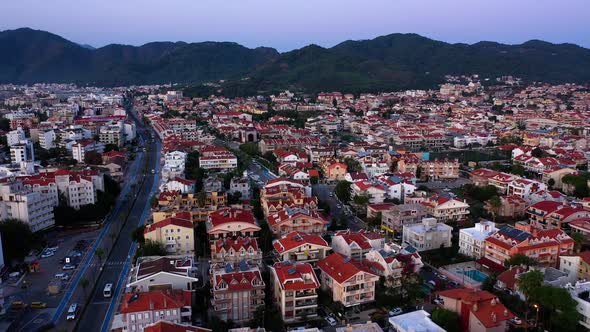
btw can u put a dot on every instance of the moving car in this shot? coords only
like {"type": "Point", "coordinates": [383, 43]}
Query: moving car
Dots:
{"type": "Point", "coordinates": [107, 291]}
{"type": "Point", "coordinates": [68, 267]}
{"type": "Point", "coordinates": [516, 321]}
{"type": "Point", "coordinates": [38, 305]}
{"type": "Point", "coordinates": [72, 311]}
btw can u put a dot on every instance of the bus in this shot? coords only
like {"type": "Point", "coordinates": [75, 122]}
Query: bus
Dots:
{"type": "Point", "coordinates": [107, 292]}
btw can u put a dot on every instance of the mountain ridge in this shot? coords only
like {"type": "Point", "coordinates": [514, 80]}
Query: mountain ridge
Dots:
{"type": "Point", "coordinates": [393, 61]}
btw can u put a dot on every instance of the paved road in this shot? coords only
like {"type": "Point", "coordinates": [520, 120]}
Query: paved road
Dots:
{"type": "Point", "coordinates": [97, 315]}
{"type": "Point", "coordinates": [323, 192]}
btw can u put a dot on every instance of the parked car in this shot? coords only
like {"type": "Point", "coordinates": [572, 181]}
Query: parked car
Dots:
{"type": "Point", "coordinates": [438, 301]}
{"type": "Point", "coordinates": [47, 254]}
{"type": "Point", "coordinates": [38, 305]}
{"type": "Point", "coordinates": [331, 321]}
{"type": "Point", "coordinates": [395, 312]}
{"type": "Point", "coordinates": [516, 321]}
{"type": "Point", "coordinates": [68, 267]}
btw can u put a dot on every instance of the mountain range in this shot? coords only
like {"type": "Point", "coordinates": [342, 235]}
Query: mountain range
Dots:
{"type": "Point", "coordinates": [395, 61]}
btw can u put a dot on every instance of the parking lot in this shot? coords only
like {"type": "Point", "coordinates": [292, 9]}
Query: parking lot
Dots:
{"type": "Point", "coordinates": [46, 286]}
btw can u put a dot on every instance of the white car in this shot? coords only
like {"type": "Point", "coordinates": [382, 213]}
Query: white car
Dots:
{"type": "Point", "coordinates": [395, 312]}
{"type": "Point", "coordinates": [439, 301]}
{"type": "Point", "coordinates": [72, 311]}
{"type": "Point", "coordinates": [516, 321]}
{"type": "Point", "coordinates": [47, 254]}
{"type": "Point", "coordinates": [331, 321]}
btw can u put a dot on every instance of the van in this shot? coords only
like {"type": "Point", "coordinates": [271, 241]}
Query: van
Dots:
{"type": "Point", "coordinates": [107, 291]}
{"type": "Point", "coordinates": [72, 311]}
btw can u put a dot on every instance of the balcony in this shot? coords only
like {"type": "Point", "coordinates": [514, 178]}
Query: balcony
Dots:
{"type": "Point", "coordinates": [306, 303]}
{"type": "Point", "coordinates": [307, 293]}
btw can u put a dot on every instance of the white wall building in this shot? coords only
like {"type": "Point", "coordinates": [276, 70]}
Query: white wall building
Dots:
{"type": "Point", "coordinates": [47, 139]}
{"type": "Point", "coordinates": [427, 235]}
{"type": "Point", "coordinates": [472, 240]}
{"type": "Point", "coordinates": [14, 137]}
{"type": "Point", "coordinates": [80, 149]}
{"type": "Point", "coordinates": [30, 207]}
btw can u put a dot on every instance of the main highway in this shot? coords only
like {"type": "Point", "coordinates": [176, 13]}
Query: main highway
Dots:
{"type": "Point", "coordinates": [97, 315]}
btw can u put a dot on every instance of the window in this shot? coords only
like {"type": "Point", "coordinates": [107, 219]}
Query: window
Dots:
{"type": "Point", "coordinates": [132, 316]}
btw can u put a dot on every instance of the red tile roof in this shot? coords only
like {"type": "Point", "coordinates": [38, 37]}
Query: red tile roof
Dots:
{"type": "Point", "coordinates": [155, 300]}
{"type": "Point", "coordinates": [341, 268]}
{"type": "Point", "coordinates": [297, 239]}
{"type": "Point", "coordinates": [298, 276]}
{"type": "Point", "coordinates": [186, 223]}
{"type": "Point", "coordinates": [166, 326]}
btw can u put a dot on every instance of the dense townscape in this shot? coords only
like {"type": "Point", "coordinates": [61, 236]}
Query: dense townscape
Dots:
{"type": "Point", "coordinates": [146, 208]}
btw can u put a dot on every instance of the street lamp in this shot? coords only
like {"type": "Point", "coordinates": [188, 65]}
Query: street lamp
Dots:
{"type": "Point", "coordinates": [536, 306]}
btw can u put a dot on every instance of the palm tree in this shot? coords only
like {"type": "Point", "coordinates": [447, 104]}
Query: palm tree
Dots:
{"type": "Point", "coordinates": [84, 283]}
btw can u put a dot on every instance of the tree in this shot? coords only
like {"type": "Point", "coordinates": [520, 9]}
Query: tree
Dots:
{"type": "Point", "coordinates": [92, 158]}
{"type": "Point", "coordinates": [342, 191]}
{"type": "Point", "coordinates": [152, 248]}
{"type": "Point", "coordinates": [538, 153]}
{"type": "Point", "coordinates": [352, 165]}
{"type": "Point", "coordinates": [84, 283]}
{"type": "Point", "coordinates": [17, 240]}
{"type": "Point", "coordinates": [99, 253]}
{"type": "Point", "coordinates": [418, 173]}
{"type": "Point", "coordinates": [111, 147]}
{"type": "Point", "coordinates": [362, 199]}
{"type": "Point", "coordinates": [137, 234]}
{"type": "Point", "coordinates": [250, 149]}
{"type": "Point", "coordinates": [520, 259]}
{"type": "Point", "coordinates": [4, 124]}
{"type": "Point", "coordinates": [579, 240]}
{"type": "Point", "coordinates": [530, 282]}
{"type": "Point", "coordinates": [447, 319]}
{"type": "Point", "coordinates": [314, 180]}
{"type": "Point", "coordinates": [550, 183]}
{"type": "Point", "coordinates": [495, 204]}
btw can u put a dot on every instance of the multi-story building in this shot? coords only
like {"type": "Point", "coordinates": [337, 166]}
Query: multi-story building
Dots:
{"type": "Point", "coordinates": [16, 136]}
{"type": "Point", "coordinates": [47, 139]}
{"type": "Point", "coordinates": [427, 235]}
{"type": "Point", "coordinates": [237, 291]}
{"type": "Point", "coordinates": [140, 309]}
{"type": "Point", "coordinates": [174, 164]}
{"type": "Point", "coordinates": [551, 214]}
{"type": "Point", "coordinates": [394, 218]}
{"type": "Point", "coordinates": [374, 192]}
{"type": "Point", "coordinates": [356, 244]}
{"type": "Point", "coordinates": [303, 220]}
{"type": "Point", "coordinates": [446, 209]}
{"type": "Point", "coordinates": [480, 311]}
{"type": "Point", "coordinates": [580, 293]}
{"type": "Point", "coordinates": [176, 234]}
{"type": "Point", "coordinates": [350, 282]}
{"type": "Point", "coordinates": [112, 133]}
{"type": "Point", "coordinates": [229, 250]}
{"type": "Point", "coordinates": [472, 239]}
{"type": "Point", "coordinates": [240, 185]}
{"type": "Point", "coordinates": [81, 148]}
{"type": "Point", "coordinates": [22, 151]}
{"type": "Point", "coordinates": [545, 246]}
{"type": "Point", "coordinates": [435, 170]}
{"type": "Point", "coordinates": [335, 171]}
{"type": "Point", "coordinates": [301, 247]}
{"type": "Point", "coordinates": [217, 157]}
{"type": "Point", "coordinates": [392, 262]}
{"type": "Point", "coordinates": [577, 266]}
{"type": "Point", "coordinates": [294, 290]}
{"type": "Point", "coordinates": [180, 185]}
{"type": "Point", "coordinates": [165, 326]}
{"type": "Point", "coordinates": [281, 193]}
{"type": "Point", "coordinates": [25, 205]}
{"type": "Point", "coordinates": [230, 223]}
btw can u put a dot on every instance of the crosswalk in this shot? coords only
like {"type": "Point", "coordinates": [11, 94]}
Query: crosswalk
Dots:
{"type": "Point", "coordinates": [107, 264]}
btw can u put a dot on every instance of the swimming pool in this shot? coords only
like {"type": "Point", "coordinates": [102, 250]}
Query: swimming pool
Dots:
{"type": "Point", "coordinates": [475, 275]}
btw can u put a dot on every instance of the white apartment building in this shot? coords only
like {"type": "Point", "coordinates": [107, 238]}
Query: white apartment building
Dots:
{"type": "Point", "coordinates": [112, 134]}
{"type": "Point", "coordinates": [427, 235]}
{"type": "Point", "coordinates": [22, 152]}
{"type": "Point", "coordinates": [47, 139]}
{"type": "Point", "coordinates": [174, 164]}
{"type": "Point", "coordinates": [30, 207]}
{"type": "Point", "coordinates": [14, 137]}
{"type": "Point", "coordinates": [80, 149]}
{"type": "Point", "coordinates": [472, 240]}
{"type": "Point", "coordinates": [580, 293]}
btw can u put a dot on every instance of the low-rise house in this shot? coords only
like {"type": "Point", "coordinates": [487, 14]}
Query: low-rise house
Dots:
{"type": "Point", "coordinates": [294, 290]}
{"type": "Point", "coordinates": [472, 239]}
{"type": "Point", "coordinates": [351, 283]}
{"type": "Point", "coordinates": [510, 207]}
{"type": "Point", "coordinates": [374, 192]}
{"type": "Point", "coordinates": [393, 262]}
{"type": "Point", "coordinates": [427, 235]}
{"type": "Point", "coordinates": [414, 321]}
{"type": "Point", "coordinates": [480, 311]}
{"type": "Point", "coordinates": [301, 247]}
{"type": "Point", "coordinates": [139, 309]}
{"type": "Point", "coordinates": [169, 272]}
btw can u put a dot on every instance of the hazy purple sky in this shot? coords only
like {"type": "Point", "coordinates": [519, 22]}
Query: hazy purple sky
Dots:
{"type": "Point", "coordinates": [288, 24]}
